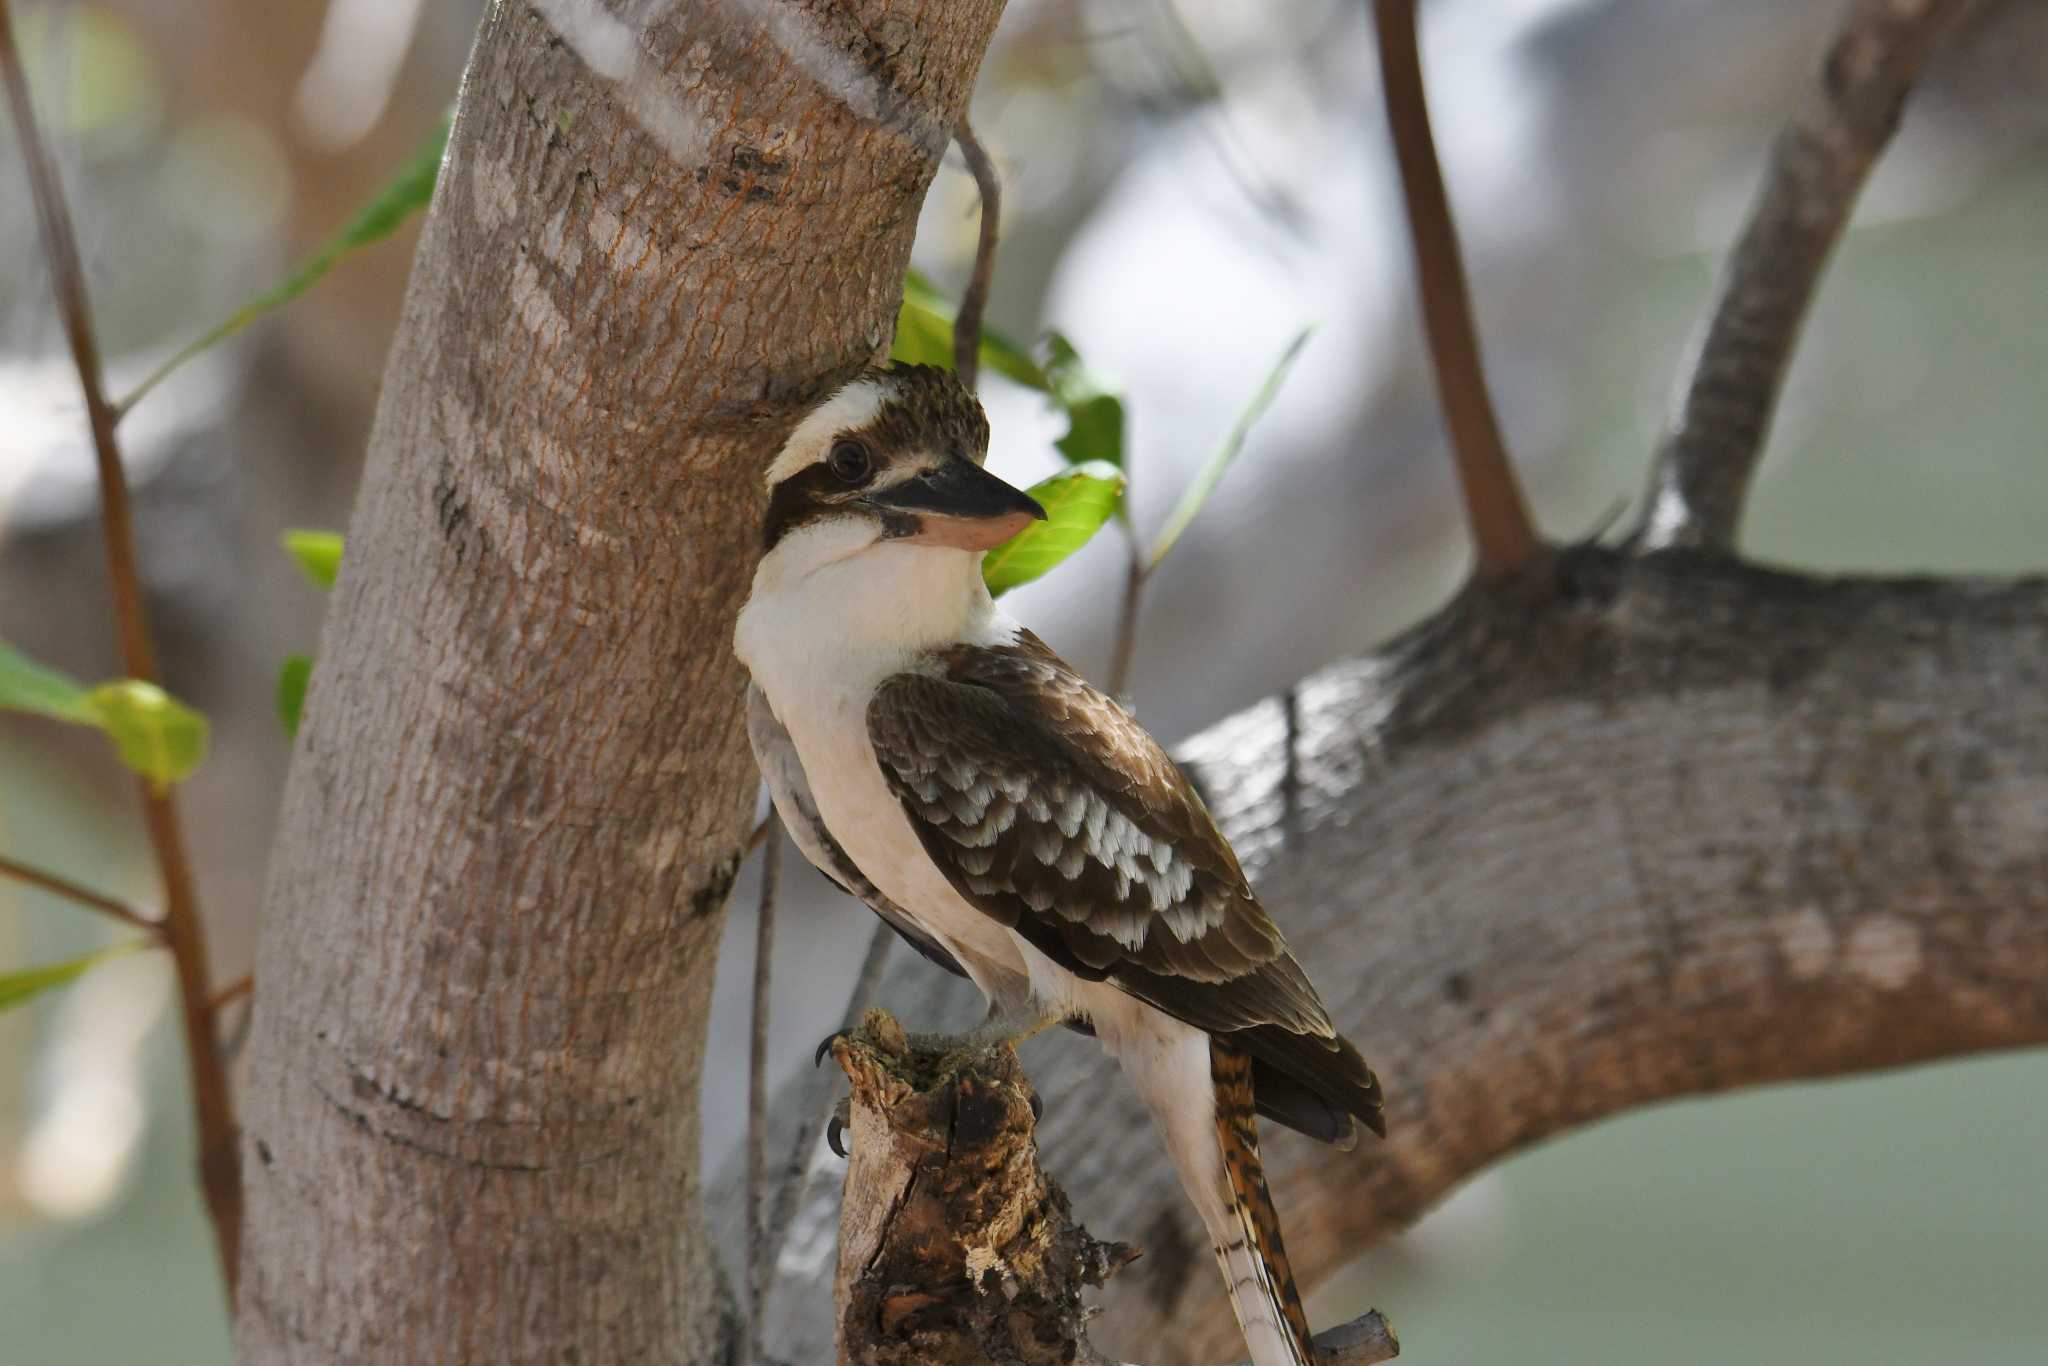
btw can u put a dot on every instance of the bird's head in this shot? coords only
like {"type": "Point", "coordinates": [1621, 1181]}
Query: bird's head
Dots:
{"type": "Point", "coordinates": [895, 455]}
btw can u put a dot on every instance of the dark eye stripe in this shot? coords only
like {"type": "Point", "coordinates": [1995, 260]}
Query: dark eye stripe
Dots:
{"type": "Point", "coordinates": [802, 498]}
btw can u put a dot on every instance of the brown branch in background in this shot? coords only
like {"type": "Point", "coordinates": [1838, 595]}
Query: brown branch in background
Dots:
{"type": "Point", "coordinates": [1710, 451]}
{"type": "Point", "coordinates": [757, 1096]}
{"type": "Point", "coordinates": [84, 896]}
{"type": "Point", "coordinates": [231, 993]}
{"type": "Point", "coordinates": [1126, 646]}
{"type": "Point", "coordinates": [183, 933]}
{"type": "Point", "coordinates": [974, 303]}
{"type": "Point", "coordinates": [1503, 536]}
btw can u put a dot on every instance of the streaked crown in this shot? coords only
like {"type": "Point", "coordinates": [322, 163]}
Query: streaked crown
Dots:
{"type": "Point", "coordinates": [890, 445]}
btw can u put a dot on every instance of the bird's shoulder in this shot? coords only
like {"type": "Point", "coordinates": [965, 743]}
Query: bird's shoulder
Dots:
{"type": "Point", "coordinates": [1048, 807]}
{"type": "Point", "coordinates": [1051, 808]}
{"type": "Point", "coordinates": [1019, 702]}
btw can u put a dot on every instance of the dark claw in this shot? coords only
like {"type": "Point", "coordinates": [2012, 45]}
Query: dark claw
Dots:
{"type": "Point", "coordinates": [835, 1135]}
{"type": "Point", "coordinates": [1037, 1108]}
{"type": "Point", "coordinates": [825, 1046]}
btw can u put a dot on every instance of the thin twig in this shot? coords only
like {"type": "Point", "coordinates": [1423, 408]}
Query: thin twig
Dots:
{"type": "Point", "coordinates": [183, 933]}
{"type": "Point", "coordinates": [1711, 448]}
{"type": "Point", "coordinates": [231, 993]}
{"type": "Point", "coordinates": [1503, 536]}
{"type": "Point", "coordinates": [230, 1048]}
{"type": "Point", "coordinates": [757, 1097]}
{"type": "Point", "coordinates": [974, 303]}
{"type": "Point", "coordinates": [796, 1174]}
{"type": "Point", "coordinates": [1126, 646]}
{"type": "Point", "coordinates": [84, 896]}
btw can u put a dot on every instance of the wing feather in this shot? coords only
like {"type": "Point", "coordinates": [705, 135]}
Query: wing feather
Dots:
{"type": "Point", "coordinates": [1049, 808]}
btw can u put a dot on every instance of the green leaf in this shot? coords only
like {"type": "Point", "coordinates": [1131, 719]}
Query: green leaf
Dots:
{"type": "Point", "coordinates": [1211, 474]}
{"type": "Point", "coordinates": [158, 736]}
{"type": "Point", "coordinates": [19, 988]}
{"type": "Point", "coordinates": [924, 336]}
{"type": "Point", "coordinates": [924, 326]}
{"type": "Point", "coordinates": [291, 691]}
{"type": "Point", "coordinates": [28, 686]}
{"type": "Point", "coordinates": [1077, 502]}
{"type": "Point", "coordinates": [1095, 412]}
{"type": "Point", "coordinates": [318, 553]}
{"type": "Point", "coordinates": [405, 194]}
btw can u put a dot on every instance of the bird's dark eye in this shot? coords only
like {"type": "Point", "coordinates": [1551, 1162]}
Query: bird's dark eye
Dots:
{"type": "Point", "coordinates": [849, 462]}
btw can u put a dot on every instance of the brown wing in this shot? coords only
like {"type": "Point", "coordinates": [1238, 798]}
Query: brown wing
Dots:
{"type": "Point", "coordinates": [1049, 808]}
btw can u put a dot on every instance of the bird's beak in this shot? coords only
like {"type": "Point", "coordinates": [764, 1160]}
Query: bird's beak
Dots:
{"type": "Point", "coordinates": [959, 504]}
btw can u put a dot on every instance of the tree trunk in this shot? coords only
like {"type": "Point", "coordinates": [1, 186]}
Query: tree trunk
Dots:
{"type": "Point", "coordinates": [521, 790]}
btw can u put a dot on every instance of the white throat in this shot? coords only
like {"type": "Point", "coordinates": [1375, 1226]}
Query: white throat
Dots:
{"type": "Point", "coordinates": [834, 608]}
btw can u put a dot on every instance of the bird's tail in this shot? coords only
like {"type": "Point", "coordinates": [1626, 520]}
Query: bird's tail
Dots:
{"type": "Point", "coordinates": [1247, 1239]}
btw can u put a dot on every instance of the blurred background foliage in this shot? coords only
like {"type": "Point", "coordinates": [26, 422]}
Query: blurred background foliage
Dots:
{"type": "Point", "coordinates": [1188, 184]}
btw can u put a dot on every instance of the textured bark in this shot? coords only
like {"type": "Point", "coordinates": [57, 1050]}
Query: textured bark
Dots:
{"type": "Point", "coordinates": [522, 787]}
{"type": "Point", "coordinates": [1624, 828]}
{"type": "Point", "coordinates": [955, 1247]}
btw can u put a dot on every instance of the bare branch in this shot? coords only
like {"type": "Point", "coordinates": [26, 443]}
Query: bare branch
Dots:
{"type": "Point", "coordinates": [1711, 449]}
{"type": "Point", "coordinates": [83, 896]}
{"type": "Point", "coordinates": [974, 303]}
{"type": "Point", "coordinates": [231, 993]}
{"type": "Point", "coordinates": [1502, 533]}
{"type": "Point", "coordinates": [183, 932]}
{"type": "Point", "coordinates": [757, 1096]}
{"type": "Point", "coordinates": [1126, 646]}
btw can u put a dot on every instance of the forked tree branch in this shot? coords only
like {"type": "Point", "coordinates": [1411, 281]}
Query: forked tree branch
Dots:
{"type": "Point", "coordinates": [1502, 534]}
{"type": "Point", "coordinates": [1710, 451]}
{"type": "Point", "coordinates": [183, 931]}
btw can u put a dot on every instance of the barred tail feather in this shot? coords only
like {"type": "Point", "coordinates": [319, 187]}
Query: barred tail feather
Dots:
{"type": "Point", "coordinates": [1253, 1256]}
{"type": "Point", "coordinates": [1200, 1095]}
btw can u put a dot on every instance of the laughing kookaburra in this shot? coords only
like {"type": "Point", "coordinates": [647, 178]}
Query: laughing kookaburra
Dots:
{"type": "Point", "coordinates": [936, 760]}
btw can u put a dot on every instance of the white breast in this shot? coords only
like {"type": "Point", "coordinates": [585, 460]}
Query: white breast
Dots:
{"type": "Point", "coordinates": [819, 635]}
